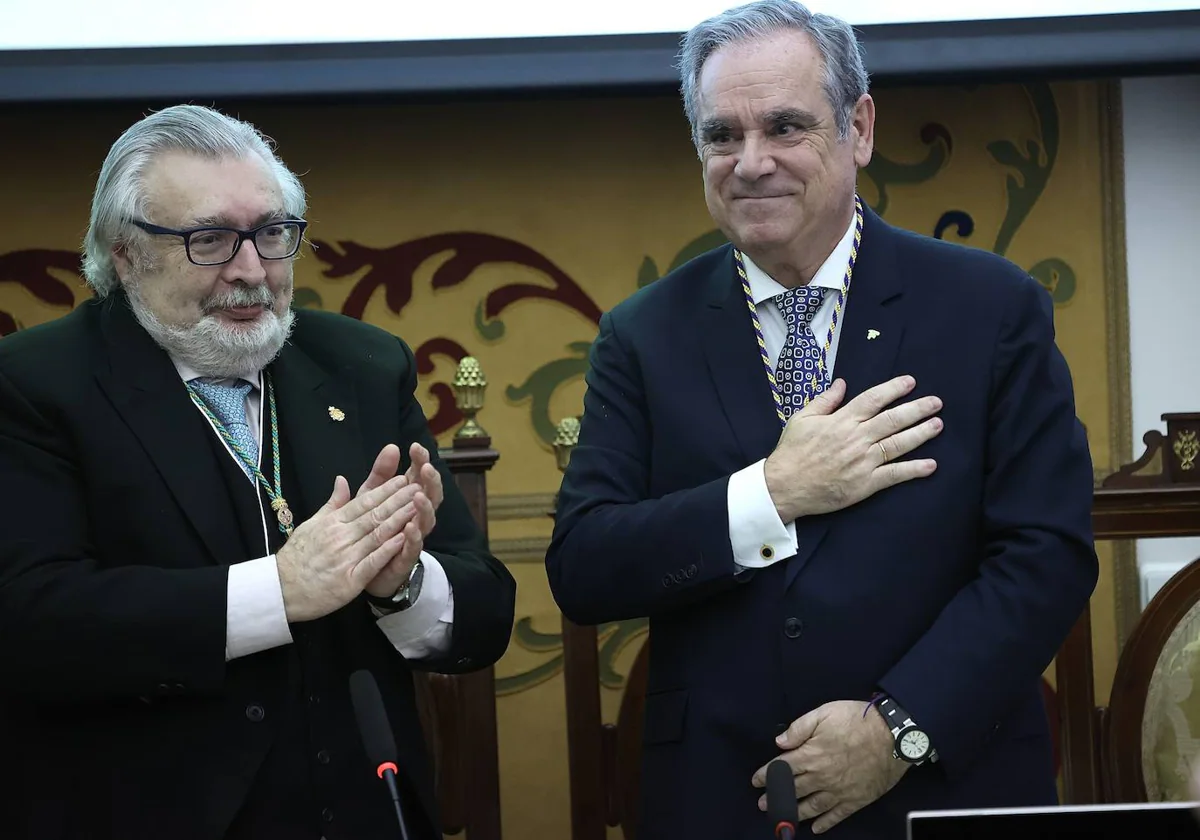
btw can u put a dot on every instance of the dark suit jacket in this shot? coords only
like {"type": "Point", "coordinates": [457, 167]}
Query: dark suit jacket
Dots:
{"type": "Point", "coordinates": [116, 533]}
{"type": "Point", "coordinates": [952, 592]}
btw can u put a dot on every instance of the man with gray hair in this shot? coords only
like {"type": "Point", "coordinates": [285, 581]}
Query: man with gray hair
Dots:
{"type": "Point", "coordinates": [837, 465]}
{"type": "Point", "coordinates": [187, 579]}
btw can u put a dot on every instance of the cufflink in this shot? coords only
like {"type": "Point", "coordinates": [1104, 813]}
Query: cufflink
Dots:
{"type": "Point", "coordinates": [766, 552]}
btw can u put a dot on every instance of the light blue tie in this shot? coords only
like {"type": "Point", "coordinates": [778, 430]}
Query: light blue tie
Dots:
{"type": "Point", "coordinates": [228, 403]}
{"type": "Point", "coordinates": [800, 371]}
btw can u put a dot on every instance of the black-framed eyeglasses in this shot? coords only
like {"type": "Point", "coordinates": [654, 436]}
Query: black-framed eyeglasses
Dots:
{"type": "Point", "coordinates": [278, 240]}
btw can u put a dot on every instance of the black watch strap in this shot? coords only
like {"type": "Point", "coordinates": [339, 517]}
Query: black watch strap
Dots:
{"type": "Point", "coordinates": [392, 604]}
{"type": "Point", "coordinates": [405, 596]}
{"type": "Point", "coordinates": [901, 724]}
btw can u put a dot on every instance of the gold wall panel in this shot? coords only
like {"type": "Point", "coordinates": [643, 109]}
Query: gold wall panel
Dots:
{"type": "Point", "coordinates": [503, 228]}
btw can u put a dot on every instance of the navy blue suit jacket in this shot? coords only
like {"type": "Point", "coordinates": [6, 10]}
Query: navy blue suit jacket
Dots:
{"type": "Point", "coordinates": [952, 593]}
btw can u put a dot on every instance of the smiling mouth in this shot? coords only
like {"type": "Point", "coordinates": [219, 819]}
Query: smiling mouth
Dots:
{"type": "Point", "coordinates": [243, 313]}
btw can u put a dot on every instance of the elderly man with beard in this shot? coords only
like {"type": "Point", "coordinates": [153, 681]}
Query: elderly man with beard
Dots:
{"type": "Point", "coordinates": [216, 510]}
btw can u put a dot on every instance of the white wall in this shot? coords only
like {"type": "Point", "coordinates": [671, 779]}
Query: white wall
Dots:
{"type": "Point", "coordinates": [1162, 228]}
{"type": "Point", "coordinates": [36, 24]}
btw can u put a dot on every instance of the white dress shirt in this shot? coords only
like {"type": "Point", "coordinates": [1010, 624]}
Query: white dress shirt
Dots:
{"type": "Point", "coordinates": [756, 533]}
{"type": "Point", "coordinates": [255, 618]}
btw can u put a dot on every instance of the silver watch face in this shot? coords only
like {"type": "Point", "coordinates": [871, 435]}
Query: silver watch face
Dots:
{"type": "Point", "coordinates": [914, 744]}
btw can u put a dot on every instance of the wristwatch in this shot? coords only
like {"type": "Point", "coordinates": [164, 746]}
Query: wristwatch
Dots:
{"type": "Point", "coordinates": [406, 595]}
{"type": "Point", "coordinates": [912, 743]}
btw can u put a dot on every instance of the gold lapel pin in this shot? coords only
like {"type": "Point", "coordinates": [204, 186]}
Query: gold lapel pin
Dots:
{"type": "Point", "coordinates": [336, 413]}
{"type": "Point", "coordinates": [872, 334]}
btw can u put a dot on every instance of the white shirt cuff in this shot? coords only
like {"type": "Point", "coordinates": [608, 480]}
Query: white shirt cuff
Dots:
{"type": "Point", "coordinates": [424, 628]}
{"type": "Point", "coordinates": [255, 617]}
{"type": "Point", "coordinates": [756, 534]}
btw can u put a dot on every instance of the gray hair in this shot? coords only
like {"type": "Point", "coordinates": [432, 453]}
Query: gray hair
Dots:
{"type": "Point", "coordinates": [120, 190]}
{"type": "Point", "coordinates": [845, 76]}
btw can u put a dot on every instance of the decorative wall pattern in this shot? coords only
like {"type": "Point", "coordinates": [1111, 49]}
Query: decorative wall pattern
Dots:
{"type": "Point", "coordinates": [503, 229]}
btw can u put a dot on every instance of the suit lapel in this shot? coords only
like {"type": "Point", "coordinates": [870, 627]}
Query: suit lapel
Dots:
{"type": "Point", "coordinates": [874, 322]}
{"type": "Point", "coordinates": [735, 363]}
{"type": "Point", "coordinates": [146, 391]}
{"type": "Point", "coordinates": [867, 346]}
{"type": "Point", "coordinates": [315, 447]}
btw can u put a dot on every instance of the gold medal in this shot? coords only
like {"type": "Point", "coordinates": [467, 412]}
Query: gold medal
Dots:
{"type": "Point", "coordinates": [283, 513]}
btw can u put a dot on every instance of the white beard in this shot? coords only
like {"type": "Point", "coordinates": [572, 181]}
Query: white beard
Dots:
{"type": "Point", "coordinates": [211, 348]}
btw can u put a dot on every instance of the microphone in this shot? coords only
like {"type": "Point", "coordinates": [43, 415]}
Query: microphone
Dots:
{"type": "Point", "coordinates": [781, 799]}
{"type": "Point", "coordinates": [376, 732]}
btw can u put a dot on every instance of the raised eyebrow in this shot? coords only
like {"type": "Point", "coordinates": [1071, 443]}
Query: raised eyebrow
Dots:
{"type": "Point", "coordinates": [713, 125]}
{"type": "Point", "coordinates": [208, 221]}
{"type": "Point", "coordinates": [223, 221]}
{"type": "Point", "coordinates": [787, 115]}
{"type": "Point", "coordinates": [273, 216]}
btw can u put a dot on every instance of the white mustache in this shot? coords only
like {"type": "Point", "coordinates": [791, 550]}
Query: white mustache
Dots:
{"type": "Point", "coordinates": [258, 296]}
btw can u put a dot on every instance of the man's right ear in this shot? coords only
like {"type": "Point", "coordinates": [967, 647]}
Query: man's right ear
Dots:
{"type": "Point", "coordinates": [120, 258]}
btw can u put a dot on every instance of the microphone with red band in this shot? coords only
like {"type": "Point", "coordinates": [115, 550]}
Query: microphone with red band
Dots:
{"type": "Point", "coordinates": [376, 732]}
{"type": "Point", "coordinates": [781, 799]}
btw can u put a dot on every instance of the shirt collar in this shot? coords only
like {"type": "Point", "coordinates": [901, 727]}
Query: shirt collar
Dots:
{"type": "Point", "coordinates": [187, 374]}
{"type": "Point", "coordinates": [830, 275]}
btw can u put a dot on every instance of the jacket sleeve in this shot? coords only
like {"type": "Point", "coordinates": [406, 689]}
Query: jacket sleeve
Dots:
{"type": "Point", "coordinates": [616, 552]}
{"type": "Point", "coordinates": [69, 630]}
{"type": "Point", "coordinates": [1039, 566]}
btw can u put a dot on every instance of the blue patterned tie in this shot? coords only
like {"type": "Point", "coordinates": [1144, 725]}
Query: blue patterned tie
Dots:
{"type": "Point", "coordinates": [228, 403]}
{"type": "Point", "coordinates": [800, 370]}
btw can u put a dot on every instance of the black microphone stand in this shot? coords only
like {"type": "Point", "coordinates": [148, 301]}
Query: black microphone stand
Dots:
{"type": "Point", "coordinates": [376, 732]}
{"type": "Point", "coordinates": [387, 772]}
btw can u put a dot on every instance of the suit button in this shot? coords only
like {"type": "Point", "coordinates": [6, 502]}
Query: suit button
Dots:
{"type": "Point", "coordinates": [323, 757]}
{"type": "Point", "coordinates": [255, 712]}
{"type": "Point", "coordinates": [691, 571]}
{"type": "Point", "coordinates": [667, 580]}
{"type": "Point", "coordinates": [792, 627]}
{"type": "Point", "coordinates": [327, 815]}
{"type": "Point", "coordinates": [678, 576]}
{"type": "Point", "coordinates": [163, 688]}
{"type": "Point", "coordinates": [465, 662]}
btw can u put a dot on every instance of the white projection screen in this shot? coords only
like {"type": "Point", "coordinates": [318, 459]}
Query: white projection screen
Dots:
{"type": "Point", "coordinates": [76, 49]}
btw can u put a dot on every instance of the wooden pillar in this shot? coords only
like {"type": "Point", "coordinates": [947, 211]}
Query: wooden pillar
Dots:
{"type": "Point", "coordinates": [585, 732]}
{"type": "Point", "coordinates": [470, 789]}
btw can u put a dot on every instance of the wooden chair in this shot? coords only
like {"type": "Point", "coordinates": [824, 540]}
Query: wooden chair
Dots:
{"type": "Point", "coordinates": [604, 759]}
{"type": "Point", "coordinates": [1158, 495]}
{"type": "Point", "coordinates": [458, 713]}
{"type": "Point", "coordinates": [1168, 626]}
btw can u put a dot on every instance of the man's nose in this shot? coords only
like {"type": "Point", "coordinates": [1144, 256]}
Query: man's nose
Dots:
{"type": "Point", "coordinates": [755, 159]}
{"type": "Point", "coordinates": [246, 265]}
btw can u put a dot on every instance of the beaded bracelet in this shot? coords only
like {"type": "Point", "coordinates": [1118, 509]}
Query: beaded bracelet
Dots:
{"type": "Point", "coordinates": [875, 698]}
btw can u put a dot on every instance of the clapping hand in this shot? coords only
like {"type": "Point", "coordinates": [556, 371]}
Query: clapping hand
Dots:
{"type": "Point", "coordinates": [421, 511]}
